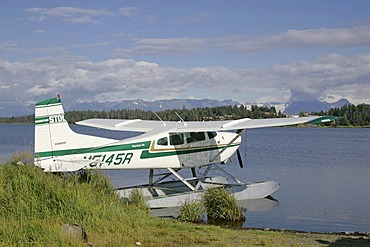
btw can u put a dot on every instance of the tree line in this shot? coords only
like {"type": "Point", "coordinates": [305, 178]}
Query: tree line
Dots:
{"type": "Point", "coordinates": [351, 115]}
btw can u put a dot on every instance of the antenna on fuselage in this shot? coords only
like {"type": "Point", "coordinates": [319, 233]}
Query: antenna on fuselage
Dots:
{"type": "Point", "coordinates": [182, 120]}
{"type": "Point", "coordinates": [163, 123]}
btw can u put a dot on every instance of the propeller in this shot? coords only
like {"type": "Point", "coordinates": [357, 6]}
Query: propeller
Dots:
{"type": "Point", "coordinates": [239, 158]}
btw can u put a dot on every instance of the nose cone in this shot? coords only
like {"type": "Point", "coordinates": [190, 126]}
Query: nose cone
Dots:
{"type": "Point", "coordinates": [229, 141]}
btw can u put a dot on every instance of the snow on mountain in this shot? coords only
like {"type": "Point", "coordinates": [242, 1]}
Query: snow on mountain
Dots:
{"type": "Point", "coordinates": [313, 106]}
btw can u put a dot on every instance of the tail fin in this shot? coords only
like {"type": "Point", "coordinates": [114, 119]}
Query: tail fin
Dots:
{"type": "Point", "coordinates": [54, 139]}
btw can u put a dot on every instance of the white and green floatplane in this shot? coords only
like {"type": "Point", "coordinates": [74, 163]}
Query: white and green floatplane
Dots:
{"type": "Point", "coordinates": [165, 148]}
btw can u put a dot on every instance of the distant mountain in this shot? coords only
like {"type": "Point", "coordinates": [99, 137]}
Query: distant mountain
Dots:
{"type": "Point", "coordinates": [157, 105]}
{"type": "Point", "coordinates": [340, 103]}
{"type": "Point", "coordinates": [313, 106]}
{"type": "Point", "coordinates": [162, 105]}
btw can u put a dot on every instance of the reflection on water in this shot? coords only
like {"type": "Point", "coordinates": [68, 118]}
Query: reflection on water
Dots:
{"type": "Point", "coordinates": [255, 205]}
{"type": "Point", "coordinates": [323, 174]}
{"type": "Point", "coordinates": [258, 205]}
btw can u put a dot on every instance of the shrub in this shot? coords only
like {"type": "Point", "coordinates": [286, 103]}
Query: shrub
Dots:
{"type": "Point", "coordinates": [221, 205]}
{"type": "Point", "coordinates": [137, 200]}
{"type": "Point", "coordinates": [191, 211]}
{"type": "Point", "coordinates": [97, 180]}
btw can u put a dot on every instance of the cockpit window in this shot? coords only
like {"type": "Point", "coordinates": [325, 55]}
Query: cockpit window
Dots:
{"type": "Point", "coordinates": [163, 141]}
{"type": "Point", "coordinates": [194, 136]}
{"type": "Point", "coordinates": [212, 134]}
{"type": "Point", "coordinates": [176, 139]}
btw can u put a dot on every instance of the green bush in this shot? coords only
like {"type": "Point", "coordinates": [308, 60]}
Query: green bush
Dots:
{"type": "Point", "coordinates": [191, 211]}
{"type": "Point", "coordinates": [221, 205]}
{"type": "Point", "coordinates": [137, 200]}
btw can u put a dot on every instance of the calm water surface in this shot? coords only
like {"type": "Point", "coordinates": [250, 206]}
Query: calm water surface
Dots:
{"type": "Point", "coordinates": [324, 174]}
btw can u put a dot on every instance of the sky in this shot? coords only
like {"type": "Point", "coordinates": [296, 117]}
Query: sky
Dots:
{"type": "Point", "coordinates": [250, 51]}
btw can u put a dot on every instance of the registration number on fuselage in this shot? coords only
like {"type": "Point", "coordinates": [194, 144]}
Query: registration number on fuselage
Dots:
{"type": "Point", "coordinates": [111, 159]}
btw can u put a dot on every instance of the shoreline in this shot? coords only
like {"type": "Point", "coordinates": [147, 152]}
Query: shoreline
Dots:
{"type": "Point", "coordinates": [347, 233]}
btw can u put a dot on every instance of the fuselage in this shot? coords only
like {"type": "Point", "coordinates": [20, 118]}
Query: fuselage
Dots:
{"type": "Point", "coordinates": [148, 151]}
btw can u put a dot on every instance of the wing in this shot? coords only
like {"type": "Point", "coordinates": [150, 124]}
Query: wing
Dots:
{"type": "Point", "coordinates": [139, 125]}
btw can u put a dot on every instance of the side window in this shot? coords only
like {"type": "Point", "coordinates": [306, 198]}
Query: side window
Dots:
{"type": "Point", "coordinates": [176, 139]}
{"type": "Point", "coordinates": [212, 134]}
{"type": "Point", "coordinates": [194, 137]}
{"type": "Point", "coordinates": [163, 141]}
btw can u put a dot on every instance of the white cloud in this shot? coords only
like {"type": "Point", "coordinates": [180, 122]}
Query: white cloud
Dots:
{"type": "Point", "coordinates": [129, 11]}
{"type": "Point", "coordinates": [291, 39]}
{"type": "Point", "coordinates": [39, 31]}
{"type": "Point", "coordinates": [163, 46]}
{"type": "Point", "coordinates": [102, 43]}
{"type": "Point", "coordinates": [39, 90]}
{"type": "Point", "coordinates": [9, 46]}
{"type": "Point", "coordinates": [69, 14]}
{"type": "Point", "coordinates": [117, 79]}
{"type": "Point", "coordinates": [48, 50]}
{"type": "Point", "coordinates": [301, 39]}
{"type": "Point", "coordinates": [12, 47]}
{"type": "Point", "coordinates": [334, 74]}
{"type": "Point", "coordinates": [194, 18]}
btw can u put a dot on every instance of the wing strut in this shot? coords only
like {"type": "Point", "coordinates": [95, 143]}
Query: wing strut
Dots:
{"type": "Point", "coordinates": [181, 179]}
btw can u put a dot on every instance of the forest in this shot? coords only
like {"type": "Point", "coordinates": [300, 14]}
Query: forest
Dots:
{"type": "Point", "coordinates": [350, 115]}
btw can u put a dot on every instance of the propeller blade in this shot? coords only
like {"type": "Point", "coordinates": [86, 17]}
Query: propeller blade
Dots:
{"type": "Point", "coordinates": [239, 158]}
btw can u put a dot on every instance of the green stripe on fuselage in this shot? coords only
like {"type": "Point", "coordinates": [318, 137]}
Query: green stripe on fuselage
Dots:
{"type": "Point", "coordinates": [113, 148]}
{"type": "Point", "coordinates": [145, 154]}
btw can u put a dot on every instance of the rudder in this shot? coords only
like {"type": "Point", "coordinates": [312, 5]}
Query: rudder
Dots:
{"type": "Point", "coordinates": [54, 138]}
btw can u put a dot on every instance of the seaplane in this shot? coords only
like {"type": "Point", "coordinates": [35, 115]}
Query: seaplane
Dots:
{"type": "Point", "coordinates": [163, 147]}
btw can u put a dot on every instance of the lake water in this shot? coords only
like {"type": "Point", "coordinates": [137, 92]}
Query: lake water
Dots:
{"type": "Point", "coordinates": [324, 174]}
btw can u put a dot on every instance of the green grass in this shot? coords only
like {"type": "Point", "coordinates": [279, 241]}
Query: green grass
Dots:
{"type": "Point", "coordinates": [34, 205]}
{"type": "Point", "coordinates": [221, 205]}
{"type": "Point", "coordinates": [191, 211]}
{"type": "Point", "coordinates": [137, 201]}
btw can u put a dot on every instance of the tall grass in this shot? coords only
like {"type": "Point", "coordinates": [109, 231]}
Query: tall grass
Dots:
{"type": "Point", "coordinates": [136, 200]}
{"type": "Point", "coordinates": [221, 205]}
{"type": "Point", "coordinates": [33, 202]}
{"type": "Point", "coordinates": [34, 205]}
{"type": "Point", "coordinates": [191, 211]}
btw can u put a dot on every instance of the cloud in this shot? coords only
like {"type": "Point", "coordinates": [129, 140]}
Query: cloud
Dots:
{"type": "Point", "coordinates": [331, 74]}
{"type": "Point", "coordinates": [13, 48]}
{"type": "Point", "coordinates": [39, 90]}
{"type": "Point", "coordinates": [129, 11]}
{"type": "Point", "coordinates": [291, 39]}
{"type": "Point", "coordinates": [38, 31]}
{"type": "Point", "coordinates": [163, 46]}
{"type": "Point", "coordinates": [10, 20]}
{"type": "Point", "coordinates": [193, 19]}
{"type": "Point", "coordinates": [117, 79]}
{"type": "Point", "coordinates": [9, 46]}
{"type": "Point", "coordinates": [69, 14]}
{"type": "Point", "coordinates": [300, 39]}
{"type": "Point", "coordinates": [102, 43]}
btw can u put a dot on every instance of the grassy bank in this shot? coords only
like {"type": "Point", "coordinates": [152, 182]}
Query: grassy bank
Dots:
{"type": "Point", "coordinates": [34, 206]}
